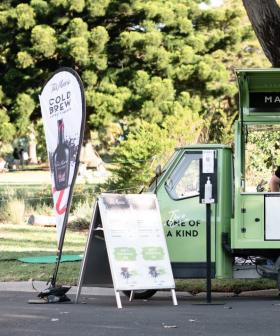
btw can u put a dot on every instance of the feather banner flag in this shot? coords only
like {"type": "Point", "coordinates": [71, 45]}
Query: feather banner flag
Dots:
{"type": "Point", "coordinates": [63, 110]}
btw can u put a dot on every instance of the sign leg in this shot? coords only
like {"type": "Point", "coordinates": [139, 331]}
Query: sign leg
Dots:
{"type": "Point", "coordinates": [131, 296]}
{"type": "Point", "coordinates": [174, 298]}
{"type": "Point", "coordinates": [118, 299]}
{"type": "Point", "coordinates": [78, 293]}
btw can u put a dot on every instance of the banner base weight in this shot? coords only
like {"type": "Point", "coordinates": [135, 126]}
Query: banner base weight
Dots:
{"type": "Point", "coordinates": [53, 295]}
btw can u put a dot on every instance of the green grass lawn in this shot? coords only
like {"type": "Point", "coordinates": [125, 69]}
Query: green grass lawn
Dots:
{"type": "Point", "coordinates": [23, 240]}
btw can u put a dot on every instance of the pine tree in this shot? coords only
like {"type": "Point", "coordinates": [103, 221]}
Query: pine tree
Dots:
{"type": "Point", "coordinates": [162, 66]}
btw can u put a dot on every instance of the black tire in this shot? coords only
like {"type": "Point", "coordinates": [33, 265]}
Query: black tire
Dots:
{"type": "Point", "coordinates": [141, 294]}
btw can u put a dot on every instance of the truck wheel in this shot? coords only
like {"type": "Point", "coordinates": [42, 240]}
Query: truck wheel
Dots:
{"type": "Point", "coordinates": [141, 294]}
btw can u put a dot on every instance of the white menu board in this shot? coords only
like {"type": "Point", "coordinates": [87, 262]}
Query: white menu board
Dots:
{"type": "Point", "coordinates": [135, 242]}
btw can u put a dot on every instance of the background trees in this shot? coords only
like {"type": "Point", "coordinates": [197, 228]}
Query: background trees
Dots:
{"type": "Point", "coordinates": [157, 73]}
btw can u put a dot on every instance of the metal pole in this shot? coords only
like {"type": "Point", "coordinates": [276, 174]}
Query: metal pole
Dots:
{"type": "Point", "coordinates": [61, 239]}
{"type": "Point", "coordinates": [208, 251]}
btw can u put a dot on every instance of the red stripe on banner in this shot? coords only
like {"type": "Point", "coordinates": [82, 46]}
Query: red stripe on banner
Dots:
{"type": "Point", "coordinates": [58, 202]}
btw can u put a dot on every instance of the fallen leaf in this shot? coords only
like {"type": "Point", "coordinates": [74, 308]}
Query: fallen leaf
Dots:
{"type": "Point", "coordinates": [168, 326]}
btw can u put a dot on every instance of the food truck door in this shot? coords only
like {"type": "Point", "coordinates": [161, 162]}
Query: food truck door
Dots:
{"type": "Point", "coordinates": [184, 217]}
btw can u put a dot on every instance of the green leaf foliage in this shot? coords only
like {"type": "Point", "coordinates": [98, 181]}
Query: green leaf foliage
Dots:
{"type": "Point", "coordinates": [24, 59]}
{"type": "Point", "coordinates": [23, 108]}
{"type": "Point", "coordinates": [43, 41]}
{"type": "Point", "coordinates": [137, 156]}
{"type": "Point", "coordinates": [7, 129]}
{"type": "Point", "coordinates": [25, 16]}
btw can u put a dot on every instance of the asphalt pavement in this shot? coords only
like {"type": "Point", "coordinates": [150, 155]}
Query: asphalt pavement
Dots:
{"type": "Point", "coordinates": [255, 313]}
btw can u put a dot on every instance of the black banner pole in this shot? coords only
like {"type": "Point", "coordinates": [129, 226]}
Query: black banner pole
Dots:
{"type": "Point", "coordinates": [61, 242]}
{"type": "Point", "coordinates": [208, 252]}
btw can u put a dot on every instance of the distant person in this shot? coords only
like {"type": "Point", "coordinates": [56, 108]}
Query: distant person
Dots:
{"type": "Point", "coordinates": [16, 157]}
{"type": "Point", "coordinates": [21, 151]}
{"type": "Point", "coordinates": [2, 165]}
{"type": "Point", "coordinates": [274, 182]}
{"type": "Point", "coordinates": [25, 157]}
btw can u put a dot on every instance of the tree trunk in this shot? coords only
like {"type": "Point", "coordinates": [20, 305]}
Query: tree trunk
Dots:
{"type": "Point", "coordinates": [32, 146]}
{"type": "Point", "coordinates": [89, 156]}
{"type": "Point", "coordinates": [264, 16]}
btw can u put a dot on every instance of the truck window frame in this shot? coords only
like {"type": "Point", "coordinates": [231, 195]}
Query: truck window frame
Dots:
{"type": "Point", "coordinates": [178, 173]}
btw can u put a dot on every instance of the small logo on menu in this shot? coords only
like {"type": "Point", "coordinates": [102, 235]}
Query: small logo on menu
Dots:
{"type": "Point", "coordinates": [59, 85]}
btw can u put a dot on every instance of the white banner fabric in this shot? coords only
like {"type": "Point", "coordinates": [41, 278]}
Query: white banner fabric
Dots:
{"type": "Point", "coordinates": [63, 109]}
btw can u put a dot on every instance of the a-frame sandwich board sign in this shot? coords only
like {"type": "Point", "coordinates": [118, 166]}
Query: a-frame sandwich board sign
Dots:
{"type": "Point", "coordinates": [126, 246]}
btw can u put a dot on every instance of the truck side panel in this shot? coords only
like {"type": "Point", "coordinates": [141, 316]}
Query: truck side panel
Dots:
{"type": "Point", "coordinates": [184, 218]}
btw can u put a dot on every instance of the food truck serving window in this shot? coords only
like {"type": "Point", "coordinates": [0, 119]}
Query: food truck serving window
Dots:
{"type": "Point", "coordinates": [262, 154]}
{"type": "Point", "coordinates": [184, 180]}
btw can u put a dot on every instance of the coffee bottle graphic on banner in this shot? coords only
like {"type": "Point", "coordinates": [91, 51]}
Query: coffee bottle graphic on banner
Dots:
{"type": "Point", "coordinates": [61, 159]}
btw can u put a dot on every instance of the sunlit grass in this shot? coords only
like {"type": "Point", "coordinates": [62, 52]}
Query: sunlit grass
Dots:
{"type": "Point", "coordinates": [22, 240]}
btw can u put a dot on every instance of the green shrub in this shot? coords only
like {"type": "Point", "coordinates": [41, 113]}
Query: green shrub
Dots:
{"type": "Point", "coordinates": [81, 216]}
{"type": "Point", "coordinates": [38, 199]}
{"type": "Point", "coordinates": [13, 211]}
{"type": "Point", "coordinates": [40, 209]}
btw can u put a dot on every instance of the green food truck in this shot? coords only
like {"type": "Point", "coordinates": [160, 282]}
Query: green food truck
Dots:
{"type": "Point", "coordinates": [245, 218]}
